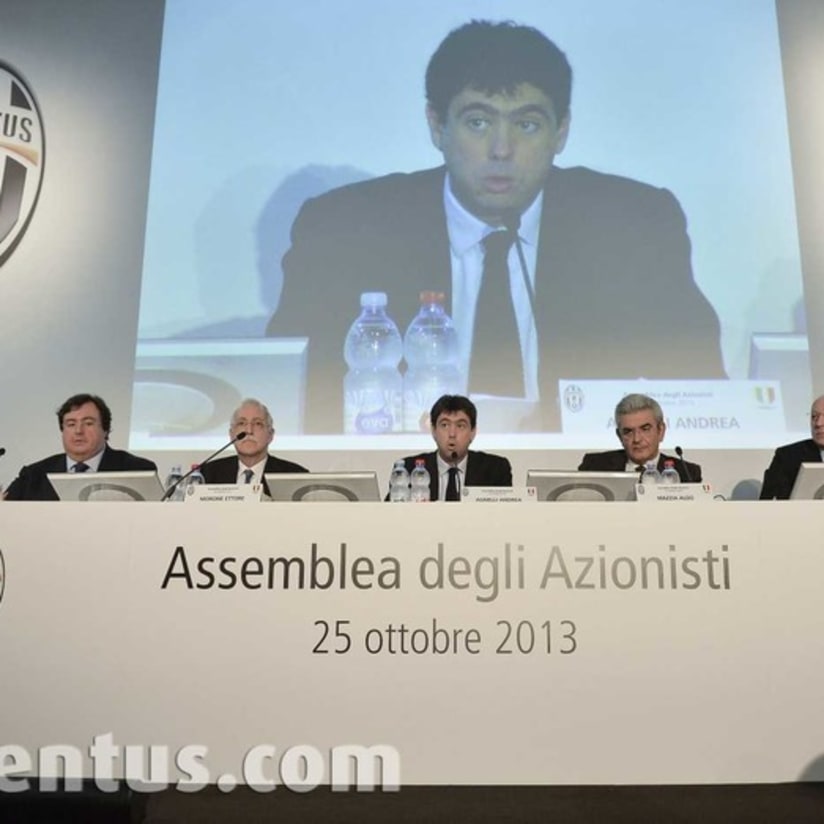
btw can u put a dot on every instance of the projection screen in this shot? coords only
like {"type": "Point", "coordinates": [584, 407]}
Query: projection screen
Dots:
{"type": "Point", "coordinates": [262, 106]}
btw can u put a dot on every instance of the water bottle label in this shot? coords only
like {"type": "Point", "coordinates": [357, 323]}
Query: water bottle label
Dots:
{"type": "Point", "coordinates": [372, 413]}
{"type": "Point", "coordinates": [373, 423]}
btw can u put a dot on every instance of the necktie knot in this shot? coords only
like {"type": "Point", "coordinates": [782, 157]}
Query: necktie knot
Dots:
{"type": "Point", "coordinates": [81, 467]}
{"type": "Point", "coordinates": [248, 474]}
{"type": "Point", "coordinates": [497, 244]}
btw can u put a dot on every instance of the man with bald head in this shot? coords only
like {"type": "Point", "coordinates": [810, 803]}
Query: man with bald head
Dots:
{"type": "Point", "coordinates": [782, 472]}
{"type": "Point", "coordinates": [253, 460]}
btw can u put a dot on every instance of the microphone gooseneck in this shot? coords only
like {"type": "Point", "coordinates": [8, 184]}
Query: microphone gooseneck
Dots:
{"type": "Point", "coordinates": [680, 453]}
{"type": "Point", "coordinates": [170, 491]}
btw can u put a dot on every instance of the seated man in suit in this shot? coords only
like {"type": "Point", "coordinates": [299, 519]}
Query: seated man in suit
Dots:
{"type": "Point", "coordinates": [253, 460]}
{"type": "Point", "coordinates": [640, 426]}
{"type": "Point", "coordinates": [85, 423]}
{"type": "Point", "coordinates": [581, 255]}
{"type": "Point", "coordinates": [453, 419]}
{"type": "Point", "coordinates": [780, 475]}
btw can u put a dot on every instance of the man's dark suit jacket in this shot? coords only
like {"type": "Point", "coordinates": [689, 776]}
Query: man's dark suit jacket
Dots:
{"type": "Point", "coordinates": [616, 461]}
{"type": "Point", "coordinates": [780, 475]}
{"type": "Point", "coordinates": [613, 280]}
{"type": "Point", "coordinates": [224, 470]}
{"type": "Point", "coordinates": [33, 485]}
{"type": "Point", "coordinates": [482, 469]}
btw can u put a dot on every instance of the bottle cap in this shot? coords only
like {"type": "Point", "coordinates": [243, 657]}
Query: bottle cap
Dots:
{"type": "Point", "coordinates": [373, 299]}
{"type": "Point", "coordinates": [432, 297]}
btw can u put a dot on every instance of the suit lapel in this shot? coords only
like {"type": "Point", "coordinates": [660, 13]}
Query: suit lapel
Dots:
{"type": "Point", "coordinates": [619, 461]}
{"type": "Point", "coordinates": [812, 452]}
{"type": "Point", "coordinates": [106, 461]}
{"type": "Point", "coordinates": [232, 468]}
{"type": "Point", "coordinates": [420, 255]}
{"type": "Point", "coordinates": [550, 267]}
{"type": "Point", "coordinates": [472, 469]}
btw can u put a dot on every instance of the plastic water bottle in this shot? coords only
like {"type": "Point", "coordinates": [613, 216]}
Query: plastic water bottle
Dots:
{"type": "Point", "coordinates": [372, 388]}
{"type": "Point", "coordinates": [196, 477]}
{"type": "Point", "coordinates": [399, 483]}
{"type": "Point", "coordinates": [670, 474]}
{"type": "Point", "coordinates": [650, 475]}
{"type": "Point", "coordinates": [174, 478]}
{"type": "Point", "coordinates": [430, 347]}
{"type": "Point", "coordinates": [419, 482]}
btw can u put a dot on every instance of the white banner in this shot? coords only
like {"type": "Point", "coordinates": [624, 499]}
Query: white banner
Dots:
{"type": "Point", "coordinates": [549, 644]}
{"type": "Point", "coordinates": [733, 413]}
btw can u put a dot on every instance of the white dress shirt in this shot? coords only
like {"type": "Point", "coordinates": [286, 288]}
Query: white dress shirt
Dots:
{"type": "Point", "coordinates": [466, 234]}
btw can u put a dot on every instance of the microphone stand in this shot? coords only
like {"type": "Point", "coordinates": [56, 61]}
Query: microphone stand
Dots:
{"type": "Point", "coordinates": [170, 491]}
{"type": "Point", "coordinates": [680, 453]}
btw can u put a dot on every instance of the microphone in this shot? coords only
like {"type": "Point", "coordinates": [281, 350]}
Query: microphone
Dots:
{"type": "Point", "coordinates": [2, 451]}
{"type": "Point", "coordinates": [512, 223]}
{"type": "Point", "coordinates": [170, 491]}
{"type": "Point", "coordinates": [680, 453]}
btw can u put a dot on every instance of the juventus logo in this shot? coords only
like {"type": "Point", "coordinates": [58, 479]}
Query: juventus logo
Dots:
{"type": "Point", "coordinates": [22, 157]}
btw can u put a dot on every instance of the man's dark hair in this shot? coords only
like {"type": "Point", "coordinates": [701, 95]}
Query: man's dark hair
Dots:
{"type": "Point", "coordinates": [495, 58]}
{"type": "Point", "coordinates": [453, 403]}
{"type": "Point", "coordinates": [76, 401]}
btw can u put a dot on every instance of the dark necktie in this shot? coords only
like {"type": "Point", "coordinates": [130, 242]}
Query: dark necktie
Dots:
{"type": "Point", "coordinates": [496, 366]}
{"type": "Point", "coordinates": [248, 474]}
{"type": "Point", "coordinates": [81, 467]}
{"type": "Point", "coordinates": [452, 485]}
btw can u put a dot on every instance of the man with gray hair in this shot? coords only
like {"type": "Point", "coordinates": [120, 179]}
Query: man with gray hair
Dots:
{"type": "Point", "coordinates": [640, 427]}
{"type": "Point", "coordinates": [253, 460]}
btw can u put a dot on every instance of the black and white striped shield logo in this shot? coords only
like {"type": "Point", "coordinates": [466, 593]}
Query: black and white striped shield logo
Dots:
{"type": "Point", "coordinates": [22, 157]}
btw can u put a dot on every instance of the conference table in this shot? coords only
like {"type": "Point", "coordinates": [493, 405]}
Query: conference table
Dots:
{"type": "Point", "coordinates": [345, 644]}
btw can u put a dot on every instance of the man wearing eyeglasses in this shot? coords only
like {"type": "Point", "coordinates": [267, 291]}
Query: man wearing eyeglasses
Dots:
{"type": "Point", "coordinates": [640, 427]}
{"type": "Point", "coordinates": [253, 461]}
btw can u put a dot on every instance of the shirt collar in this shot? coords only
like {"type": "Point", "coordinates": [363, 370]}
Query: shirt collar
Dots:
{"type": "Point", "coordinates": [445, 466]}
{"type": "Point", "coordinates": [632, 466]}
{"type": "Point", "coordinates": [466, 230]}
{"type": "Point", "coordinates": [93, 463]}
{"type": "Point", "coordinates": [257, 468]}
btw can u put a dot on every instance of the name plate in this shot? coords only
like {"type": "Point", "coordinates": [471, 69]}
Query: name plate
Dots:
{"type": "Point", "coordinates": [649, 493]}
{"type": "Point", "coordinates": [224, 493]}
{"type": "Point", "coordinates": [499, 494]}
